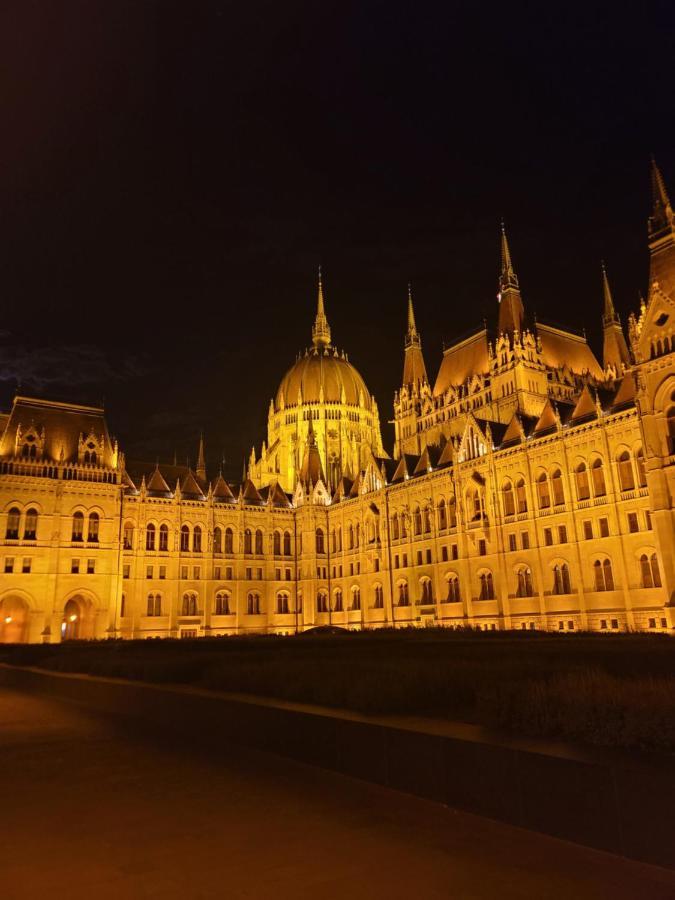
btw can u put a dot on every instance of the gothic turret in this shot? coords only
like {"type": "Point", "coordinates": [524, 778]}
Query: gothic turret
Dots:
{"type": "Point", "coordinates": [414, 370]}
{"type": "Point", "coordinates": [511, 311]}
{"type": "Point", "coordinates": [615, 351]}
{"type": "Point", "coordinates": [661, 229]}
{"type": "Point", "coordinates": [321, 328]}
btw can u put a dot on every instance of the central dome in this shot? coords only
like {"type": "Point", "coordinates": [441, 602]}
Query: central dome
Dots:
{"type": "Point", "coordinates": [322, 374]}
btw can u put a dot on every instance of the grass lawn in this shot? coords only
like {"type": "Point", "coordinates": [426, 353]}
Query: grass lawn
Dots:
{"type": "Point", "coordinates": [616, 690]}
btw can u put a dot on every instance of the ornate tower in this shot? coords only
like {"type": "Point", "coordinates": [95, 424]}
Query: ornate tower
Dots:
{"type": "Point", "coordinates": [614, 349]}
{"type": "Point", "coordinates": [511, 311]}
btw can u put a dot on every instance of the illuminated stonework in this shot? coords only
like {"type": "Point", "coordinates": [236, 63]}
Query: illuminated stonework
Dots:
{"type": "Point", "coordinates": [530, 488]}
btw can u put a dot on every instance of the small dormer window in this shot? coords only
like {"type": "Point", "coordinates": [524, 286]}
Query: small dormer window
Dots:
{"type": "Point", "coordinates": [662, 319]}
{"type": "Point", "coordinates": [29, 448]}
{"type": "Point", "coordinates": [90, 454]}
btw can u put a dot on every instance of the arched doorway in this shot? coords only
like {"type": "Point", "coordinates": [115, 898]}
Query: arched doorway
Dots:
{"type": "Point", "coordinates": [72, 620]}
{"type": "Point", "coordinates": [13, 620]}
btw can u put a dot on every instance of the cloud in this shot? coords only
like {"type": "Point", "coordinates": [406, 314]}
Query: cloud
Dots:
{"type": "Point", "coordinates": [70, 364]}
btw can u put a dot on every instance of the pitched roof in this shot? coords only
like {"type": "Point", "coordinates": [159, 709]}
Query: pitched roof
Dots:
{"type": "Point", "coordinates": [547, 421]}
{"type": "Point", "coordinates": [221, 489]}
{"type": "Point", "coordinates": [585, 406]}
{"type": "Point", "coordinates": [562, 348]}
{"type": "Point", "coordinates": [462, 360]}
{"type": "Point", "coordinates": [189, 486]}
{"type": "Point", "coordinates": [249, 492]}
{"type": "Point", "coordinates": [625, 395]}
{"type": "Point", "coordinates": [156, 483]}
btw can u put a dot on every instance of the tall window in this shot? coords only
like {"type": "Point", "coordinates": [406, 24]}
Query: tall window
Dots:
{"type": "Point", "coordinates": [92, 531]}
{"type": "Point", "coordinates": [320, 545]}
{"type": "Point", "coordinates": [599, 488]}
{"type": "Point", "coordinates": [322, 602]}
{"type": "Point", "coordinates": [604, 580]}
{"type": "Point", "coordinates": [521, 496]}
{"type": "Point", "coordinates": [453, 589]}
{"type": "Point", "coordinates": [640, 466]}
{"type": "Point", "coordinates": [543, 493]}
{"type": "Point", "coordinates": [557, 485]}
{"type": "Point", "coordinates": [229, 541]}
{"type": "Point", "coordinates": [583, 486]}
{"type": "Point", "coordinates": [282, 603]}
{"type": "Point", "coordinates": [248, 541]}
{"type": "Point", "coordinates": [189, 607]}
{"type": "Point", "coordinates": [379, 596]}
{"type": "Point", "coordinates": [417, 520]}
{"type": "Point", "coordinates": [78, 526]}
{"type": "Point", "coordinates": [287, 543]}
{"type": "Point", "coordinates": [427, 520]}
{"type": "Point", "coordinates": [128, 536]}
{"type": "Point", "coordinates": [427, 594]}
{"type": "Point", "coordinates": [403, 595]}
{"type": "Point", "coordinates": [184, 539]}
{"type": "Point", "coordinates": [337, 605]}
{"type": "Point", "coordinates": [356, 598]}
{"type": "Point", "coordinates": [487, 588]}
{"type": "Point", "coordinates": [222, 603]}
{"type": "Point", "coordinates": [197, 539]}
{"type": "Point", "coordinates": [154, 605]}
{"type": "Point", "coordinates": [626, 480]}
{"type": "Point", "coordinates": [259, 542]}
{"type": "Point", "coordinates": [394, 527]}
{"type": "Point", "coordinates": [13, 519]}
{"type": "Point", "coordinates": [524, 582]}
{"type": "Point", "coordinates": [508, 499]}
{"type": "Point", "coordinates": [442, 516]}
{"type": "Point", "coordinates": [649, 568]}
{"type": "Point", "coordinates": [452, 512]}
{"type": "Point", "coordinates": [30, 525]}
{"type": "Point", "coordinates": [561, 579]}
{"type": "Point", "coordinates": [253, 604]}
{"type": "Point", "coordinates": [276, 543]}
{"type": "Point", "coordinates": [150, 537]}
{"type": "Point", "coordinates": [670, 428]}
{"type": "Point", "coordinates": [217, 540]}
{"type": "Point", "coordinates": [164, 537]}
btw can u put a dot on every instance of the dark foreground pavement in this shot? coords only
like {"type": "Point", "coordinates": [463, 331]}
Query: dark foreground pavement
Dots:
{"type": "Point", "coordinates": [91, 811]}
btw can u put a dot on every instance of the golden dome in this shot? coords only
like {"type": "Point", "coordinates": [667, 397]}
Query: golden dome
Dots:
{"type": "Point", "coordinates": [322, 370]}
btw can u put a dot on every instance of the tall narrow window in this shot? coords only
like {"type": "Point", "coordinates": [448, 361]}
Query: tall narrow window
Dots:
{"type": "Point", "coordinates": [508, 499]}
{"type": "Point", "coordinates": [417, 520]}
{"type": "Point", "coordinates": [185, 539]}
{"type": "Point", "coordinates": [337, 605]}
{"type": "Point", "coordinates": [599, 487]}
{"type": "Point", "coordinates": [13, 519]}
{"type": "Point", "coordinates": [646, 571]}
{"type": "Point", "coordinates": [248, 541]}
{"type": "Point", "coordinates": [558, 490]}
{"type": "Point", "coordinates": [403, 595]}
{"type": "Point", "coordinates": [128, 543]}
{"type": "Point", "coordinates": [640, 466]}
{"type": "Point", "coordinates": [543, 492]}
{"type": "Point", "coordinates": [626, 480]}
{"type": "Point", "coordinates": [150, 537]}
{"type": "Point", "coordinates": [287, 543]}
{"type": "Point", "coordinates": [92, 531]}
{"type": "Point", "coordinates": [442, 516]}
{"type": "Point", "coordinates": [259, 542]}
{"type": "Point", "coordinates": [78, 526]}
{"type": "Point", "coordinates": [276, 543]}
{"type": "Point", "coordinates": [30, 525]}
{"type": "Point", "coordinates": [394, 527]}
{"type": "Point", "coordinates": [229, 541]}
{"type": "Point", "coordinates": [656, 574]}
{"type": "Point", "coordinates": [521, 496]}
{"type": "Point", "coordinates": [453, 589]}
{"type": "Point", "coordinates": [222, 603]}
{"type": "Point", "coordinates": [197, 539]}
{"type": "Point", "coordinates": [583, 486]}
{"type": "Point", "coordinates": [487, 589]}
{"type": "Point", "coordinates": [320, 546]}
{"type": "Point", "coordinates": [164, 537]}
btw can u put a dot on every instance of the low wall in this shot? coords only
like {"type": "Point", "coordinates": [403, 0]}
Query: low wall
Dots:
{"type": "Point", "coordinates": [613, 801]}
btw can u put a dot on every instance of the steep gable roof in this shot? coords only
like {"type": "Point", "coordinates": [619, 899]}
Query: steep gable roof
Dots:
{"type": "Point", "coordinates": [221, 489]}
{"type": "Point", "coordinates": [625, 395]}
{"type": "Point", "coordinates": [157, 484]}
{"type": "Point", "coordinates": [585, 407]}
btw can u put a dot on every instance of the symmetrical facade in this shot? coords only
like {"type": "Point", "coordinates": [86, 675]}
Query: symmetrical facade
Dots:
{"type": "Point", "coordinates": [530, 487]}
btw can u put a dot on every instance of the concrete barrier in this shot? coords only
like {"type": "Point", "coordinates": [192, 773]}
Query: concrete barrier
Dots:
{"type": "Point", "coordinates": [615, 801]}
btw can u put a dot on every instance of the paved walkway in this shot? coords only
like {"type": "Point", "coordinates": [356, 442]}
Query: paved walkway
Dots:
{"type": "Point", "coordinates": [89, 812]}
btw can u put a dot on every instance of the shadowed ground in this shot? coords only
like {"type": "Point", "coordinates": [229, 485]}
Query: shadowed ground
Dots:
{"type": "Point", "coordinates": [90, 811]}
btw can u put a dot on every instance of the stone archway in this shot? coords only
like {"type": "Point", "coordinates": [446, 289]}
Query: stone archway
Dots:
{"type": "Point", "coordinates": [78, 619]}
{"type": "Point", "coordinates": [13, 620]}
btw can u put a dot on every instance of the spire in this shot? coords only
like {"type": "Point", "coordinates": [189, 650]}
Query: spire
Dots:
{"type": "Point", "coordinates": [321, 329]}
{"type": "Point", "coordinates": [201, 464]}
{"type": "Point", "coordinates": [662, 213]}
{"type": "Point", "coordinates": [608, 313]}
{"type": "Point", "coordinates": [511, 311]}
{"type": "Point", "coordinates": [414, 369]}
{"type": "Point", "coordinates": [661, 228]}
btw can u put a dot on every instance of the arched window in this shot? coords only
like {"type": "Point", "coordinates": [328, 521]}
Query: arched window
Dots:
{"type": "Point", "coordinates": [640, 466]}
{"type": "Point", "coordinates": [320, 544]}
{"type": "Point", "coordinates": [521, 496]}
{"type": "Point", "coordinates": [184, 539]}
{"type": "Point", "coordinates": [197, 539]}
{"type": "Point", "coordinates": [626, 479]}
{"type": "Point", "coordinates": [322, 602]}
{"type": "Point", "coordinates": [78, 526]}
{"type": "Point", "coordinates": [282, 603]}
{"type": "Point", "coordinates": [287, 543]}
{"type": "Point", "coordinates": [154, 605]}
{"type": "Point", "coordinates": [558, 490]}
{"type": "Point", "coordinates": [356, 598]}
{"type": "Point", "coordinates": [253, 604]}
{"type": "Point", "coordinates": [337, 604]}
{"type": "Point", "coordinates": [599, 488]}
{"type": "Point", "coordinates": [417, 520]}
{"type": "Point", "coordinates": [561, 579]}
{"type": "Point", "coordinates": [189, 607]}
{"type": "Point", "coordinates": [379, 597]}
{"type": "Point", "coordinates": [92, 531]}
{"type": "Point", "coordinates": [222, 603]}
{"type": "Point", "coordinates": [452, 513]}
{"type": "Point", "coordinates": [164, 537]}
{"type": "Point", "coordinates": [508, 499]}
{"type": "Point", "coordinates": [13, 519]}
{"type": "Point", "coordinates": [525, 588]}
{"type": "Point", "coordinates": [128, 536]}
{"type": "Point", "coordinates": [123, 606]}
{"type": "Point", "coordinates": [29, 450]}
{"type": "Point", "coordinates": [403, 594]}
{"type": "Point", "coordinates": [217, 539]}
{"type": "Point", "coordinates": [442, 515]}
{"type": "Point", "coordinates": [30, 525]}
{"type": "Point", "coordinates": [427, 593]}
{"type": "Point", "coordinates": [394, 527]}
{"type": "Point", "coordinates": [276, 543]}
{"type": "Point", "coordinates": [350, 532]}
{"type": "Point", "coordinates": [649, 568]}
{"type": "Point", "coordinates": [583, 487]}
{"type": "Point", "coordinates": [259, 542]}
{"type": "Point", "coordinates": [357, 534]}
{"type": "Point", "coordinates": [229, 541]}
{"type": "Point", "coordinates": [670, 429]}
{"type": "Point", "coordinates": [604, 579]}
{"type": "Point", "coordinates": [248, 541]}
{"type": "Point", "coordinates": [487, 588]}
{"type": "Point", "coordinates": [453, 589]}
{"type": "Point", "coordinates": [339, 539]}
{"type": "Point", "coordinates": [427, 520]}
{"type": "Point", "coordinates": [150, 537]}
{"type": "Point", "coordinates": [333, 541]}
{"type": "Point", "coordinates": [543, 493]}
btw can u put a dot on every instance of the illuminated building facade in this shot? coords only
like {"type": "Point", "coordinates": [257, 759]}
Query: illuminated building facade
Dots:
{"type": "Point", "coordinates": [530, 487]}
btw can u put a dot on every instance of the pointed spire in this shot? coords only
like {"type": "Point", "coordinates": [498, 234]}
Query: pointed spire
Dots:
{"type": "Point", "coordinates": [321, 329]}
{"type": "Point", "coordinates": [511, 310]}
{"type": "Point", "coordinates": [414, 369]}
{"type": "Point", "coordinates": [608, 313]}
{"type": "Point", "coordinates": [201, 464]}
{"type": "Point", "coordinates": [412, 327]}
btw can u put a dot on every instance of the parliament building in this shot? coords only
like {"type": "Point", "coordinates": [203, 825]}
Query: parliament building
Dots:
{"type": "Point", "coordinates": [530, 486]}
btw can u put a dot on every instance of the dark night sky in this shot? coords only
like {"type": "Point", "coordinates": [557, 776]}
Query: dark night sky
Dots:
{"type": "Point", "coordinates": [172, 174]}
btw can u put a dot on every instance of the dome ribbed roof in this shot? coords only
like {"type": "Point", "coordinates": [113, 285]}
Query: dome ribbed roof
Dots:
{"type": "Point", "coordinates": [322, 368]}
